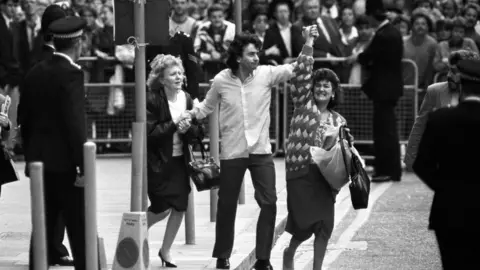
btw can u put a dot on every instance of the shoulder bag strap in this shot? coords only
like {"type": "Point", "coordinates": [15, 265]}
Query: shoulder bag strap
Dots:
{"type": "Point", "coordinates": [341, 134]}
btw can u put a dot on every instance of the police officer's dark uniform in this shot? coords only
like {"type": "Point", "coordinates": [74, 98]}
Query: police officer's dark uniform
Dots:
{"type": "Point", "coordinates": [180, 45]}
{"type": "Point", "coordinates": [57, 251]}
{"type": "Point", "coordinates": [53, 132]}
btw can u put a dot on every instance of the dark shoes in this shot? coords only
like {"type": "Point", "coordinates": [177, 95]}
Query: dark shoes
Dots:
{"type": "Point", "coordinates": [259, 264]}
{"type": "Point", "coordinates": [63, 261]}
{"type": "Point", "coordinates": [223, 263]}
{"type": "Point", "coordinates": [262, 265]}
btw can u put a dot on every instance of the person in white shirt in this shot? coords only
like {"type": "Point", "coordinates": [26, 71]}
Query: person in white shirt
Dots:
{"type": "Point", "coordinates": [243, 91]}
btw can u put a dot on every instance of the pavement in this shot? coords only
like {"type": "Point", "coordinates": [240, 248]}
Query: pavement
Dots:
{"type": "Point", "coordinates": [391, 234]}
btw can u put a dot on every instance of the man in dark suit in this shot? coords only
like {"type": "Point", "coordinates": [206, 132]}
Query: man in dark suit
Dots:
{"type": "Point", "coordinates": [52, 117]}
{"type": "Point", "coordinates": [447, 162]}
{"type": "Point", "coordinates": [382, 60]}
{"type": "Point", "coordinates": [282, 35]}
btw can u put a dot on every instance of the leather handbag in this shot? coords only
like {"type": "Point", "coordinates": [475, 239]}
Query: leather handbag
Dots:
{"type": "Point", "coordinates": [359, 180]}
{"type": "Point", "coordinates": [205, 173]}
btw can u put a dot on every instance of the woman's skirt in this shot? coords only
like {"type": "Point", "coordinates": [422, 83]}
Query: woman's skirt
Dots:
{"type": "Point", "coordinates": [170, 187]}
{"type": "Point", "coordinates": [310, 203]}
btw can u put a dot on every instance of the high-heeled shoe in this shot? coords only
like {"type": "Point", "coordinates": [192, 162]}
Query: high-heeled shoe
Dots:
{"type": "Point", "coordinates": [165, 262]}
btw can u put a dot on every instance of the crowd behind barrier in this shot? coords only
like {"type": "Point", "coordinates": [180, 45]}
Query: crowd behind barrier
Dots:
{"type": "Point", "coordinates": [356, 107]}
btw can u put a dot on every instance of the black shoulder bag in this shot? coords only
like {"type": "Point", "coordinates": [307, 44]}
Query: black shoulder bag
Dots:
{"type": "Point", "coordinates": [205, 173]}
{"type": "Point", "coordinates": [359, 179]}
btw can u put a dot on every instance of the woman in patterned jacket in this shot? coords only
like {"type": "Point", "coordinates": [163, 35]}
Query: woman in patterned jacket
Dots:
{"type": "Point", "coordinates": [310, 198]}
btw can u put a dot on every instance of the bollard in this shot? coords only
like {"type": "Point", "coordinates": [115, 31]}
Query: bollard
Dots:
{"type": "Point", "coordinates": [91, 235]}
{"type": "Point", "coordinates": [190, 219]}
{"type": "Point", "coordinates": [214, 153]}
{"type": "Point", "coordinates": [38, 216]}
{"type": "Point", "coordinates": [136, 200]}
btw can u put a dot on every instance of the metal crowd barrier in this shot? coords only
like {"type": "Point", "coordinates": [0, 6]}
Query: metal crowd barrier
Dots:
{"type": "Point", "coordinates": [357, 109]}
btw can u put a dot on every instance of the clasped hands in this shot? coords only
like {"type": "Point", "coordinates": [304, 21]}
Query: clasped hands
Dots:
{"type": "Point", "coordinates": [184, 122]}
{"type": "Point", "coordinates": [4, 121]}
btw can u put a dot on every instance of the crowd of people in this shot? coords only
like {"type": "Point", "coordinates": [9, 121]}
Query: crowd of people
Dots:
{"type": "Point", "coordinates": [281, 42]}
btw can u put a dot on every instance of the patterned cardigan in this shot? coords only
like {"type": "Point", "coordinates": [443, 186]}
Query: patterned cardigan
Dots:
{"type": "Point", "coordinates": [304, 123]}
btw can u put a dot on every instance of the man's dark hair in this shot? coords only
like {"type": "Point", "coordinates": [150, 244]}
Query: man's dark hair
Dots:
{"type": "Point", "coordinates": [328, 75]}
{"type": "Point", "coordinates": [459, 22]}
{"type": "Point", "coordinates": [63, 44]}
{"type": "Point", "coordinates": [214, 8]}
{"type": "Point", "coordinates": [272, 8]}
{"type": "Point", "coordinates": [421, 14]}
{"type": "Point", "coordinates": [237, 47]}
{"type": "Point", "coordinates": [362, 20]}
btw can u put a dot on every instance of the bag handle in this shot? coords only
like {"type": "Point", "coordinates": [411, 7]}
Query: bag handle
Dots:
{"type": "Point", "coordinates": [341, 135]}
{"type": "Point", "coordinates": [202, 150]}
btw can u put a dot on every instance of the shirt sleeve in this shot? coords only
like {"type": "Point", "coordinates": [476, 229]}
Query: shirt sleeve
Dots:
{"type": "Point", "coordinates": [208, 105]}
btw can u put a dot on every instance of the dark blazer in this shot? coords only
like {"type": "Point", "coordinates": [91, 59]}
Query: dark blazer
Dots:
{"type": "Point", "coordinates": [10, 72]}
{"type": "Point", "coordinates": [321, 46]}
{"type": "Point", "coordinates": [448, 161]}
{"type": "Point", "coordinates": [273, 37]}
{"type": "Point", "coordinates": [27, 57]}
{"type": "Point", "coordinates": [438, 96]}
{"type": "Point", "coordinates": [52, 115]}
{"type": "Point", "coordinates": [181, 45]}
{"type": "Point", "coordinates": [382, 60]}
{"type": "Point", "coordinates": [160, 130]}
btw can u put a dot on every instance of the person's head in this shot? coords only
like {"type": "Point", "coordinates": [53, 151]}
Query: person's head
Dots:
{"type": "Point", "coordinates": [376, 10]}
{"type": "Point", "coordinates": [281, 10]}
{"type": "Point", "coordinates": [51, 14]}
{"type": "Point", "coordinates": [449, 9]}
{"type": "Point", "coordinates": [453, 76]}
{"type": "Point", "coordinates": [258, 4]}
{"type": "Point", "coordinates": [402, 23]}
{"type": "Point", "coordinates": [469, 71]}
{"type": "Point", "coordinates": [364, 28]}
{"type": "Point", "coordinates": [458, 30]}
{"type": "Point", "coordinates": [444, 29]}
{"type": "Point", "coordinates": [67, 35]}
{"type": "Point", "coordinates": [421, 24]}
{"type": "Point", "coordinates": [179, 7]}
{"type": "Point", "coordinates": [326, 88]}
{"type": "Point", "coordinates": [260, 21]}
{"type": "Point", "coordinates": [106, 15]}
{"type": "Point", "coordinates": [167, 72]}
{"type": "Point", "coordinates": [89, 14]}
{"type": "Point", "coordinates": [243, 53]}
{"type": "Point", "coordinates": [203, 4]}
{"type": "Point", "coordinates": [427, 4]}
{"type": "Point", "coordinates": [216, 15]}
{"type": "Point", "coordinates": [8, 7]}
{"type": "Point", "coordinates": [470, 13]}
{"type": "Point", "coordinates": [30, 7]}
{"type": "Point", "coordinates": [347, 16]}
{"type": "Point", "coordinates": [311, 9]}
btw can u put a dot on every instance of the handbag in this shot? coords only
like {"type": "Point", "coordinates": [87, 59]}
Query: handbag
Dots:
{"type": "Point", "coordinates": [359, 179]}
{"type": "Point", "coordinates": [204, 173]}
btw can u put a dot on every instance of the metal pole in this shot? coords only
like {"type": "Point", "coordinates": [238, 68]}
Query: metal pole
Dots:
{"type": "Point", "coordinates": [238, 30]}
{"type": "Point", "coordinates": [214, 153]}
{"type": "Point", "coordinates": [38, 216]}
{"type": "Point", "coordinates": [140, 95]}
{"type": "Point", "coordinates": [91, 240]}
{"type": "Point", "coordinates": [138, 130]}
{"type": "Point", "coordinates": [190, 219]}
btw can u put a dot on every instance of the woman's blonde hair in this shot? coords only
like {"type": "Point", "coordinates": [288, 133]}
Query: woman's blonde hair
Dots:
{"type": "Point", "coordinates": [158, 65]}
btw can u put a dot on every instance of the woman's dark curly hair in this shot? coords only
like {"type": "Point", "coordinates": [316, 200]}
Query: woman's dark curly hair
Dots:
{"type": "Point", "coordinates": [328, 75]}
{"type": "Point", "coordinates": [235, 50]}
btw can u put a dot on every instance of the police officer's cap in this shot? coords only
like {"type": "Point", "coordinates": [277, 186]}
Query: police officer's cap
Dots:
{"type": "Point", "coordinates": [469, 70]}
{"type": "Point", "coordinates": [51, 14]}
{"type": "Point", "coordinates": [67, 28]}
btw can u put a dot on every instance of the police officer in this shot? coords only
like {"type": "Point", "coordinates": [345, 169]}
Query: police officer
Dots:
{"type": "Point", "coordinates": [180, 45]}
{"type": "Point", "coordinates": [53, 131]}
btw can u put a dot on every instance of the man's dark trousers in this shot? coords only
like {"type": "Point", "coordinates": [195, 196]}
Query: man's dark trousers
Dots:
{"type": "Point", "coordinates": [262, 171]}
{"type": "Point", "coordinates": [385, 140]}
{"type": "Point", "coordinates": [63, 199]}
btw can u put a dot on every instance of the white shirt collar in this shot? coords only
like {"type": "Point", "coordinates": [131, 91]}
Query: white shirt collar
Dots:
{"type": "Point", "coordinates": [281, 27]}
{"type": "Point", "coordinates": [68, 59]}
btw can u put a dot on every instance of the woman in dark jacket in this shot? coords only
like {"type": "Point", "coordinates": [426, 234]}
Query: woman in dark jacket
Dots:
{"type": "Point", "coordinates": [7, 170]}
{"type": "Point", "coordinates": [168, 137]}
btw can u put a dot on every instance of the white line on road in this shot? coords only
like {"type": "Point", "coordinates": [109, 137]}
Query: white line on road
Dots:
{"type": "Point", "coordinates": [355, 226]}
